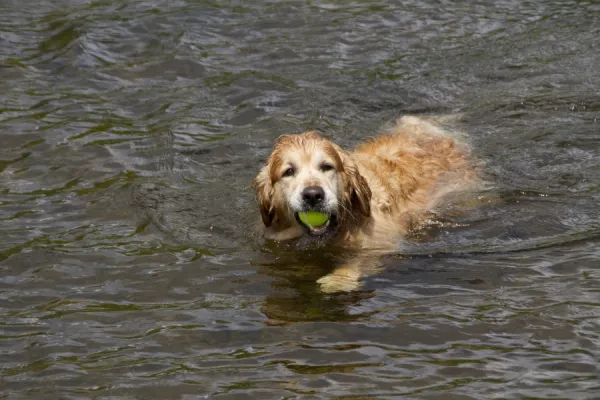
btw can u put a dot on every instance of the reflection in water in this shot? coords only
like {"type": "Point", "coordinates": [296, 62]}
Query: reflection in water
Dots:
{"type": "Point", "coordinates": [296, 295]}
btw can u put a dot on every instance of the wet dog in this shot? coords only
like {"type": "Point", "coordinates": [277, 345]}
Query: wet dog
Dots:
{"type": "Point", "coordinates": [372, 195]}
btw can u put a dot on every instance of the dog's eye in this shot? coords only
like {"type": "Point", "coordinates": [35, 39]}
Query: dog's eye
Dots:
{"type": "Point", "coordinates": [326, 167]}
{"type": "Point", "coordinates": [289, 172]}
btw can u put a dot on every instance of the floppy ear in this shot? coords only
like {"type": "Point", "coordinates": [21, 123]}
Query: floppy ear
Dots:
{"type": "Point", "coordinates": [262, 185]}
{"type": "Point", "coordinates": [360, 195]}
{"type": "Point", "coordinates": [356, 188]}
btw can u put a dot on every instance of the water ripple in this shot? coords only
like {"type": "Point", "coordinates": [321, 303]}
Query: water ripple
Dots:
{"type": "Point", "coordinates": [130, 266]}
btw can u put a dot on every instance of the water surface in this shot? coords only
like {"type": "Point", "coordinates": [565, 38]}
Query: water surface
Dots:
{"type": "Point", "coordinates": [128, 264]}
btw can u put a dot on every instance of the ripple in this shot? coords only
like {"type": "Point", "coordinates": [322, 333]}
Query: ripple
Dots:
{"type": "Point", "coordinates": [131, 266]}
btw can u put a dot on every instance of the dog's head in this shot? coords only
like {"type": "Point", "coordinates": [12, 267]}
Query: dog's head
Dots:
{"type": "Point", "coordinates": [307, 172]}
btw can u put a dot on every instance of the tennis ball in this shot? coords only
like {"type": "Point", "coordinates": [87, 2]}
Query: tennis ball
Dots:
{"type": "Point", "coordinates": [313, 218]}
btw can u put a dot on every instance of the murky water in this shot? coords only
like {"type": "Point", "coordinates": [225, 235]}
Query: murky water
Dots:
{"type": "Point", "coordinates": [129, 134]}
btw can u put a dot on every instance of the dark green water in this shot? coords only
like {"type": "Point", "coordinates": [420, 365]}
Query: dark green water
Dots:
{"type": "Point", "coordinates": [130, 131]}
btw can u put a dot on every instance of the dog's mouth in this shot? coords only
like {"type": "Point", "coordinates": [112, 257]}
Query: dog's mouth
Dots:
{"type": "Point", "coordinates": [329, 226]}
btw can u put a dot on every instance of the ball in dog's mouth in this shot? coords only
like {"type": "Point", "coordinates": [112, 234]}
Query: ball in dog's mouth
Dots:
{"type": "Point", "coordinates": [317, 223]}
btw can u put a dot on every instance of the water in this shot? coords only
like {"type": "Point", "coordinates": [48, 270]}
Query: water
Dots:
{"type": "Point", "coordinates": [129, 266]}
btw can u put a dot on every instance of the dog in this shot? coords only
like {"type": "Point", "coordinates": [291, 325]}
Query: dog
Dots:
{"type": "Point", "coordinates": [373, 195]}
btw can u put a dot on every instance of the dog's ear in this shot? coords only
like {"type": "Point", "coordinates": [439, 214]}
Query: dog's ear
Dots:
{"type": "Point", "coordinates": [356, 189]}
{"type": "Point", "coordinates": [264, 192]}
{"type": "Point", "coordinates": [360, 195]}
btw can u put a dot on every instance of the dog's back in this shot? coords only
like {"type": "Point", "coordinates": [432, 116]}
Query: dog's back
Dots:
{"type": "Point", "coordinates": [410, 171]}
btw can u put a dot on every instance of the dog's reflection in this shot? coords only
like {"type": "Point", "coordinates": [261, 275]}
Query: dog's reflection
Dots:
{"type": "Point", "coordinates": [297, 296]}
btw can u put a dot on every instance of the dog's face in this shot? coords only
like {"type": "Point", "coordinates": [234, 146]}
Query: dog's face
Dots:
{"type": "Point", "coordinates": [309, 173]}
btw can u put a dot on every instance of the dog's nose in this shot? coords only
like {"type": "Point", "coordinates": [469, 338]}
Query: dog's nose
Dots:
{"type": "Point", "coordinates": [313, 195]}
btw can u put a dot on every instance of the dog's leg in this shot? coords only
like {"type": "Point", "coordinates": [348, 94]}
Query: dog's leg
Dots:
{"type": "Point", "coordinates": [346, 277]}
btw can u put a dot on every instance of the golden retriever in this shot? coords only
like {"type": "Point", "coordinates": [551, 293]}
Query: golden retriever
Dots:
{"type": "Point", "coordinates": [373, 195]}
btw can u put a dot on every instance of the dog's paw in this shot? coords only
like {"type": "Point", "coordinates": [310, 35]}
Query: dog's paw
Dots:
{"type": "Point", "coordinates": [339, 281]}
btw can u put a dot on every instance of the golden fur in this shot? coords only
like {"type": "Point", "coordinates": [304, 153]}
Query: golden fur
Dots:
{"type": "Point", "coordinates": [379, 191]}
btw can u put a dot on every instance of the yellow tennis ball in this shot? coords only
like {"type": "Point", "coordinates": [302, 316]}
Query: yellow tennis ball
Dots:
{"type": "Point", "coordinates": [313, 218]}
